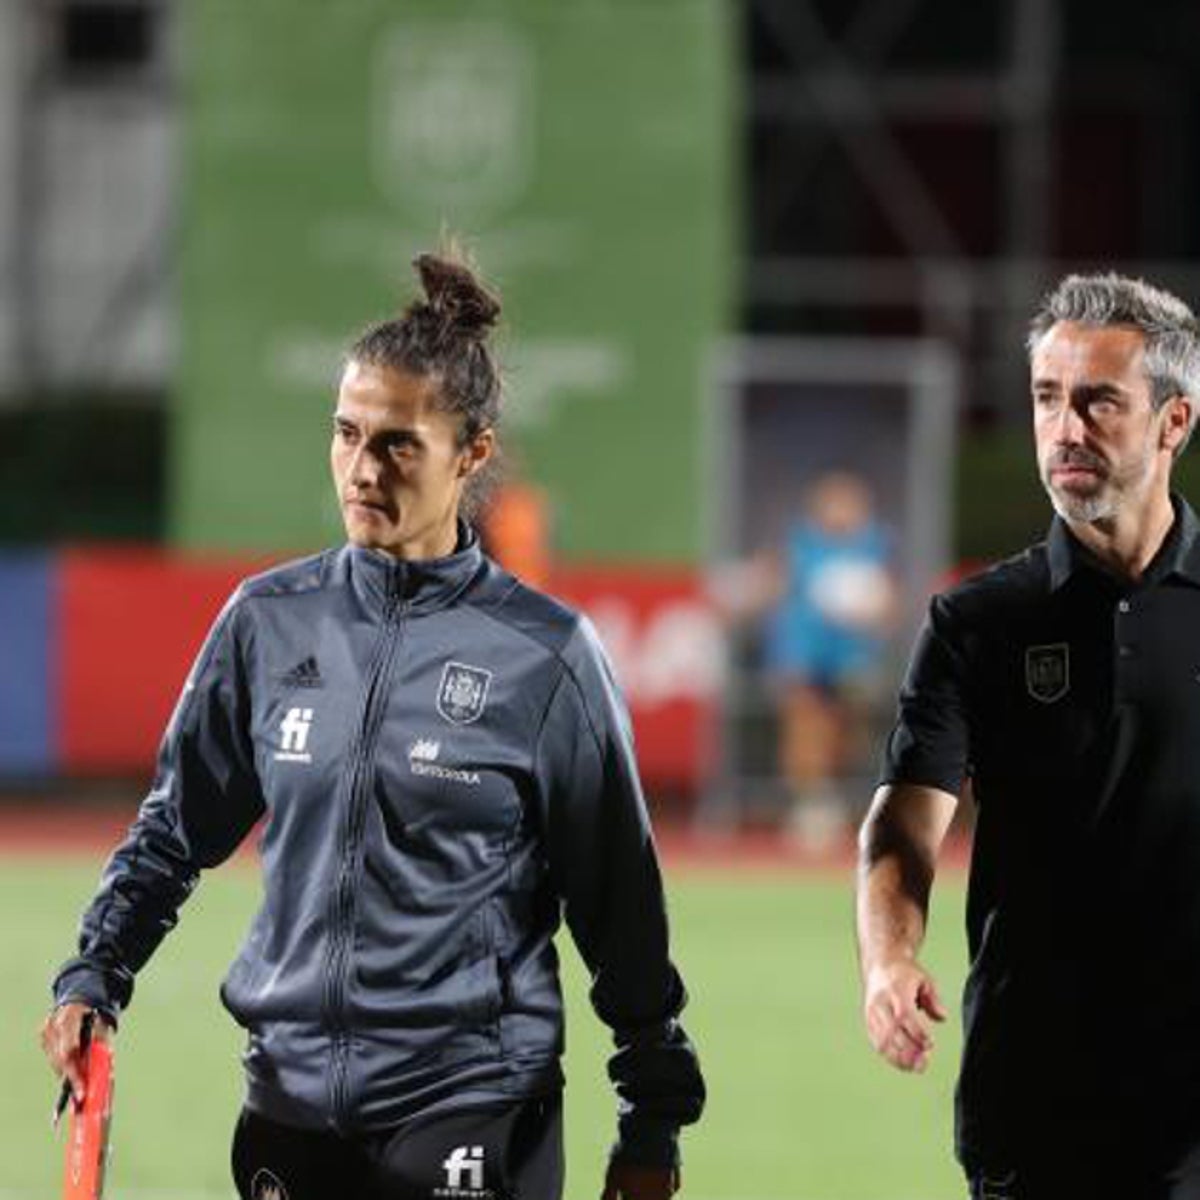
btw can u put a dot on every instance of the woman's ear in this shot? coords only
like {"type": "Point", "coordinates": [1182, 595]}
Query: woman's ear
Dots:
{"type": "Point", "coordinates": [477, 452]}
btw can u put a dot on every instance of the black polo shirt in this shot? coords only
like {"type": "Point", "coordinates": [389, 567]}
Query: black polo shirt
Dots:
{"type": "Point", "coordinates": [1071, 700]}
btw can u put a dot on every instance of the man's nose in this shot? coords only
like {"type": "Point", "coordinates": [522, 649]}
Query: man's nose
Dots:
{"type": "Point", "coordinates": [1071, 425]}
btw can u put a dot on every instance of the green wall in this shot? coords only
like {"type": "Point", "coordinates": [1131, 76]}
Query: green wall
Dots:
{"type": "Point", "coordinates": [585, 151]}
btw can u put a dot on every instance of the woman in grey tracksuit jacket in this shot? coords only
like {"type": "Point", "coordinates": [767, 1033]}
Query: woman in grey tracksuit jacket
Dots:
{"type": "Point", "coordinates": [442, 766]}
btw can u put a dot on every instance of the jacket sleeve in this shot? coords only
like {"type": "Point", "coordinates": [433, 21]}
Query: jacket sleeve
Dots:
{"type": "Point", "coordinates": [603, 862]}
{"type": "Point", "coordinates": [204, 800]}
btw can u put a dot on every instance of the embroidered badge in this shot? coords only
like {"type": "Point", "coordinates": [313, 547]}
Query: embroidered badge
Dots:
{"type": "Point", "coordinates": [462, 692]}
{"type": "Point", "coordinates": [266, 1185]}
{"type": "Point", "coordinates": [1048, 671]}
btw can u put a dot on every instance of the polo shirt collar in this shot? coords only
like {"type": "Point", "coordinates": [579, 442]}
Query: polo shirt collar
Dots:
{"type": "Point", "coordinates": [1178, 555]}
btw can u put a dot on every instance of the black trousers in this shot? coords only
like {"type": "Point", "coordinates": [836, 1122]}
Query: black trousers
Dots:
{"type": "Point", "coordinates": [512, 1152]}
{"type": "Point", "coordinates": [1097, 1174]}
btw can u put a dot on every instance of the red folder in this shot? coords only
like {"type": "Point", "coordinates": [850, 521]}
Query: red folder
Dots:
{"type": "Point", "coordinates": [87, 1135]}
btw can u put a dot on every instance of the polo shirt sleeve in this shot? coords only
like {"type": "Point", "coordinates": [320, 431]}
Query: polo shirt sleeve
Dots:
{"type": "Point", "coordinates": [930, 742]}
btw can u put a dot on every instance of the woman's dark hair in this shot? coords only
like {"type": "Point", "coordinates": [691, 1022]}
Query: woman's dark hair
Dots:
{"type": "Point", "coordinates": [446, 335]}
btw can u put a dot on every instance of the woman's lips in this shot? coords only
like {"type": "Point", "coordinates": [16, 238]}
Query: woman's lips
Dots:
{"type": "Point", "coordinates": [366, 508]}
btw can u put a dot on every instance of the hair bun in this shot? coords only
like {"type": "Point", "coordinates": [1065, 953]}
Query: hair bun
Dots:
{"type": "Point", "coordinates": [454, 293]}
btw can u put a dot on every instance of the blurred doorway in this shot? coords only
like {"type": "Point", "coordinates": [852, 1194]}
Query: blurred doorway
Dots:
{"type": "Point", "coordinates": [829, 516]}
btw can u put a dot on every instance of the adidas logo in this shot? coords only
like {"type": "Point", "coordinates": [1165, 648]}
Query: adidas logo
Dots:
{"type": "Point", "coordinates": [424, 750]}
{"type": "Point", "coordinates": [304, 675]}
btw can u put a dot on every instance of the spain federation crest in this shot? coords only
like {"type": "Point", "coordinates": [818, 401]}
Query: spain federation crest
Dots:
{"type": "Point", "coordinates": [462, 692]}
{"type": "Point", "coordinates": [1048, 671]}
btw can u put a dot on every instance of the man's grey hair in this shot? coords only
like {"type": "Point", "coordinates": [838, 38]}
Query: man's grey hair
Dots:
{"type": "Point", "coordinates": [1172, 335]}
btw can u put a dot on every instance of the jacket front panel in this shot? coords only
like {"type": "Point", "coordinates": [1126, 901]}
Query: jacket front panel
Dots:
{"type": "Point", "coordinates": [403, 765]}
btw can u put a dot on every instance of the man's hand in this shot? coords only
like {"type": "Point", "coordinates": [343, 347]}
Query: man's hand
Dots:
{"type": "Point", "coordinates": [626, 1182]}
{"type": "Point", "coordinates": [897, 994]}
{"type": "Point", "coordinates": [62, 1038]}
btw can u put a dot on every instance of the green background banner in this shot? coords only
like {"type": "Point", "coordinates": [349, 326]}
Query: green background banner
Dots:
{"type": "Point", "coordinates": [585, 152]}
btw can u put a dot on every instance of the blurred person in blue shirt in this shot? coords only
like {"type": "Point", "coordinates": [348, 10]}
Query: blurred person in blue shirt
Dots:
{"type": "Point", "coordinates": [825, 642]}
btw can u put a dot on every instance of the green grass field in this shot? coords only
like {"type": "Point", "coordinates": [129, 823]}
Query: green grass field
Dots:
{"type": "Point", "coordinates": [799, 1108]}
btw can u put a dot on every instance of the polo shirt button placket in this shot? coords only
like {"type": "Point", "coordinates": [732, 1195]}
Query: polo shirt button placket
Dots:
{"type": "Point", "coordinates": [1124, 650]}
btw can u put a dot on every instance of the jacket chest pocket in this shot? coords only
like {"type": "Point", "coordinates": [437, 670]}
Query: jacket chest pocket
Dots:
{"type": "Point", "coordinates": [435, 786]}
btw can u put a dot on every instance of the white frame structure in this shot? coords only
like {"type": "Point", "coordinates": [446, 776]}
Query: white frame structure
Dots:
{"type": "Point", "coordinates": [925, 372]}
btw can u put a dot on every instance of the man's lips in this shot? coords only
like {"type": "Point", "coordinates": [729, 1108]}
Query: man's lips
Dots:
{"type": "Point", "coordinates": [1076, 464]}
{"type": "Point", "coordinates": [1075, 469]}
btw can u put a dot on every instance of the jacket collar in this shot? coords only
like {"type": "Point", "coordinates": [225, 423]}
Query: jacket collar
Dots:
{"type": "Point", "coordinates": [1178, 555]}
{"type": "Point", "coordinates": [421, 585]}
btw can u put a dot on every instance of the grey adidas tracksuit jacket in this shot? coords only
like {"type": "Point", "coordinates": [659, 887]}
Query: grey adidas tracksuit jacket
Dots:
{"type": "Point", "coordinates": [442, 764]}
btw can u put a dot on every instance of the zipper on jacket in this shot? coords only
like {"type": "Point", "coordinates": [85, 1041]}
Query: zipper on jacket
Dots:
{"type": "Point", "coordinates": [344, 901]}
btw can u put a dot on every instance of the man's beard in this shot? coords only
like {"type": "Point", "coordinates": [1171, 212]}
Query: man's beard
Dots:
{"type": "Point", "coordinates": [1085, 510]}
{"type": "Point", "coordinates": [1114, 487]}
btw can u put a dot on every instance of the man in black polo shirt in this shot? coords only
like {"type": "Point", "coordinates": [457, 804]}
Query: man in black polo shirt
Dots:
{"type": "Point", "coordinates": [1065, 685]}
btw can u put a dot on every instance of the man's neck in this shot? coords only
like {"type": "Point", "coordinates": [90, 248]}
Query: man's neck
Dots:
{"type": "Point", "coordinates": [1127, 542]}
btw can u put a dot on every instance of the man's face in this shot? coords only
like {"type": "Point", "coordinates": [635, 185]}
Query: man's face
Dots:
{"type": "Point", "coordinates": [1101, 445]}
{"type": "Point", "coordinates": [397, 465]}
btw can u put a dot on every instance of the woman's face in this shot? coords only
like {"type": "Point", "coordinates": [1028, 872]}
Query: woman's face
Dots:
{"type": "Point", "coordinates": [397, 464]}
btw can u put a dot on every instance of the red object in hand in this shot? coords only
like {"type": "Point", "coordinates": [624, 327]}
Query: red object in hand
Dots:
{"type": "Point", "coordinates": [87, 1136]}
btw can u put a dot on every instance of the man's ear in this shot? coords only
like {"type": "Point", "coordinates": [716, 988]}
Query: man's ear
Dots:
{"type": "Point", "coordinates": [1177, 421]}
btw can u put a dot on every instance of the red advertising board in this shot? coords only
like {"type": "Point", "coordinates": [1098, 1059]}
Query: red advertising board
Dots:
{"type": "Point", "coordinates": [668, 652]}
{"type": "Point", "coordinates": [131, 623]}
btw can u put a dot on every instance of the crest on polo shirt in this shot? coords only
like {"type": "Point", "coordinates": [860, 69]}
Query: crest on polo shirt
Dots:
{"type": "Point", "coordinates": [462, 692]}
{"type": "Point", "coordinates": [1048, 671]}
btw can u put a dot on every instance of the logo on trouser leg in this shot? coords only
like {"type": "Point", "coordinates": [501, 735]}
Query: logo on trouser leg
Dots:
{"type": "Point", "coordinates": [997, 1187]}
{"type": "Point", "coordinates": [464, 1175]}
{"type": "Point", "coordinates": [266, 1185]}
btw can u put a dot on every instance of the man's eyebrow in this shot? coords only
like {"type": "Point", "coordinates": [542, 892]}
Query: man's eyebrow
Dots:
{"type": "Point", "coordinates": [1103, 387]}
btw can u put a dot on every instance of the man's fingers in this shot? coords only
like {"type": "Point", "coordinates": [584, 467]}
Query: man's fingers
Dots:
{"type": "Point", "coordinates": [910, 1037]}
{"type": "Point", "coordinates": [908, 1061]}
{"type": "Point", "coordinates": [897, 1032]}
{"type": "Point", "coordinates": [901, 1014]}
{"type": "Point", "coordinates": [930, 1002]}
{"type": "Point", "coordinates": [902, 1052]}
